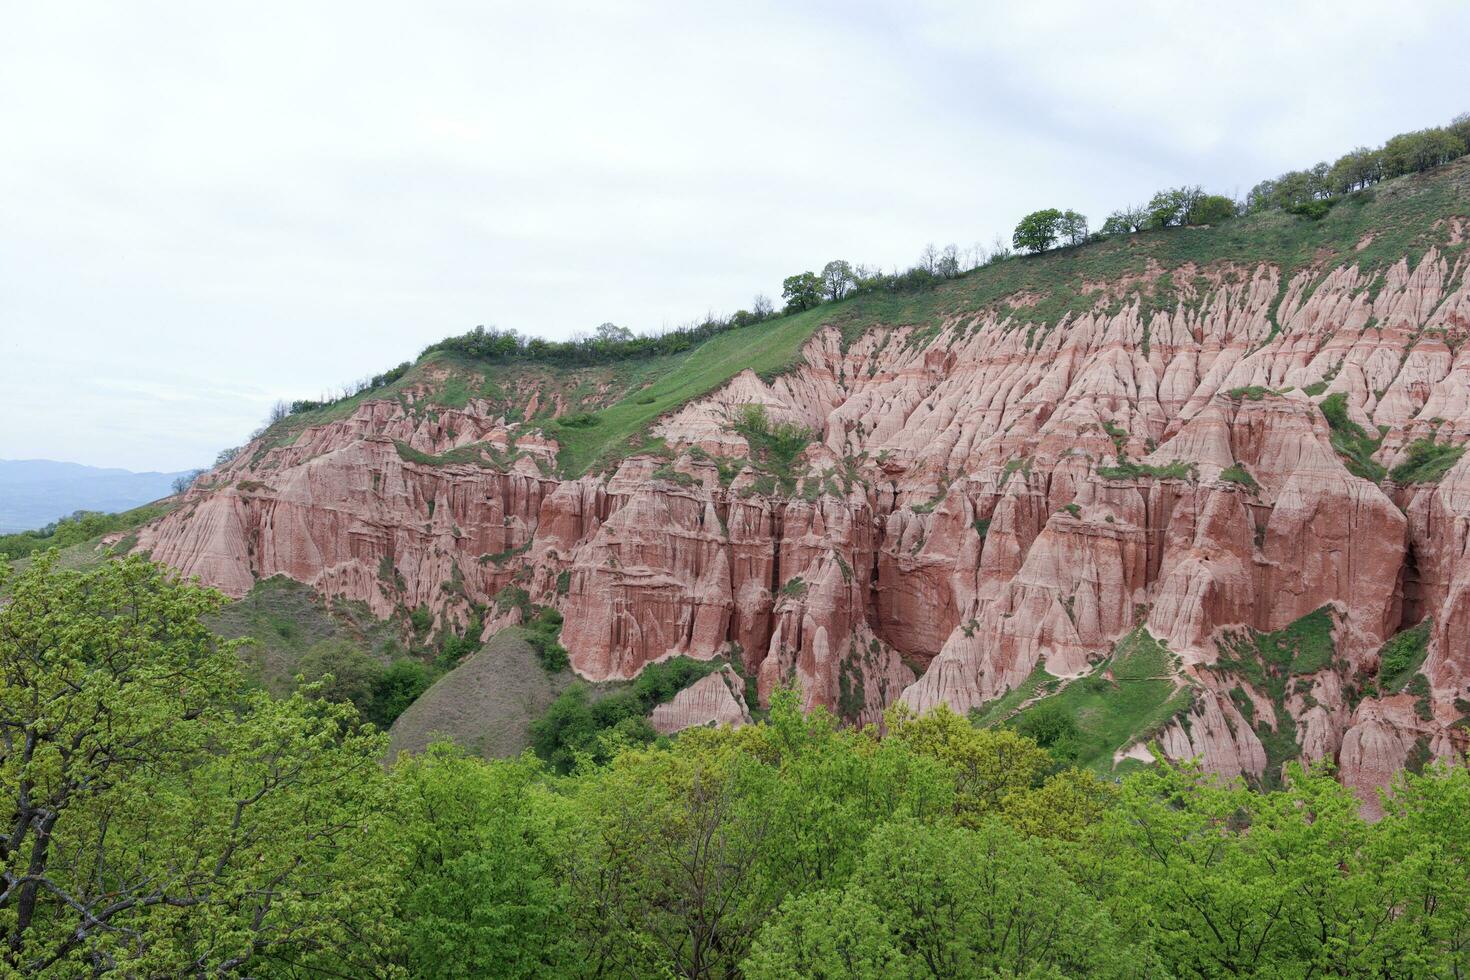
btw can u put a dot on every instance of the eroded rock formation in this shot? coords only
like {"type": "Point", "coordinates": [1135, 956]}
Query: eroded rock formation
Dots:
{"type": "Point", "coordinates": [715, 699]}
{"type": "Point", "coordinates": [981, 495]}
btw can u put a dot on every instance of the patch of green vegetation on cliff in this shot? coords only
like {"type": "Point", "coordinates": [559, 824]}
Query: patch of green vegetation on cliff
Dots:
{"type": "Point", "coordinates": [1428, 462]}
{"type": "Point", "coordinates": [1402, 656]}
{"type": "Point", "coordinates": [1350, 440]}
{"type": "Point", "coordinates": [774, 446]}
{"type": "Point", "coordinates": [1129, 470]}
{"type": "Point", "coordinates": [1000, 709]}
{"type": "Point", "coordinates": [485, 455]}
{"type": "Point", "coordinates": [1269, 662]}
{"type": "Point", "coordinates": [1130, 695]}
{"type": "Point", "coordinates": [1236, 473]}
{"type": "Point", "coordinates": [766, 348]}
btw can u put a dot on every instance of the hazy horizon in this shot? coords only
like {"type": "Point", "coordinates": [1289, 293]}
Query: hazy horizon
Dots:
{"type": "Point", "coordinates": [204, 212]}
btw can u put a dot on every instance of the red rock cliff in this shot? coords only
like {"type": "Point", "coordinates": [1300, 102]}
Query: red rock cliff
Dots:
{"type": "Point", "coordinates": [982, 496]}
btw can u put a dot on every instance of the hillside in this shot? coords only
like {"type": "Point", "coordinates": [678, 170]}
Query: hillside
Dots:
{"type": "Point", "coordinates": [1193, 487]}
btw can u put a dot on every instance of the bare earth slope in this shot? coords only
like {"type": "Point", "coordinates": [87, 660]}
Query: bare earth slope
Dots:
{"type": "Point", "coordinates": [1185, 432]}
{"type": "Point", "coordinates": [486, 704]}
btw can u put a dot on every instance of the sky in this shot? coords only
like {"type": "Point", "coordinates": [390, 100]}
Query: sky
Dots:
{"type": "Point", "coordinates": [205, 207]}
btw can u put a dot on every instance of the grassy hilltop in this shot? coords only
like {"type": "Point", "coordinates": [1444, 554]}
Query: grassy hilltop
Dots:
{"type": "Point", "coordinates": [614, 402]}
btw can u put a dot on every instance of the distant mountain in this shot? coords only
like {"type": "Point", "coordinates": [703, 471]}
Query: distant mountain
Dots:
{"type": "Point", "coordinates": [35, 492]}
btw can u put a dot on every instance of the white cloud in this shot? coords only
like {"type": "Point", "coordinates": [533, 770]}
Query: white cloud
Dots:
{"type": "Point", "coordinates": [226, 203]}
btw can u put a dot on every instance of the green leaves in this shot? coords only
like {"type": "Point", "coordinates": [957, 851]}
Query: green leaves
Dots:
{"type": "Point", "coordinates": [166, 821]}
{"type": "Point", "coordinates": [944, 901]}
{"type": "Point", "coordinates": [1293, 882]}
{"type": "Point", "coordinates": [802, 291]}
{"type": "Point", "coordinates": [1038, 231]}
{"type": "Point", "coordinates": [170, 822]}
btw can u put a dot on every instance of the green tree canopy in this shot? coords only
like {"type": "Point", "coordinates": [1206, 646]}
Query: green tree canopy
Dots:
{"type": "Point", "coordinates": [164, 819]}
{"type": "Point", "coordinates": [1038, 231]}
{"type": "Point", "coordinates": [837, 279]}
{"type": "Point", "coordinates": [801, 291]}
{"type": "Point", "coordinates": [1073, 228]}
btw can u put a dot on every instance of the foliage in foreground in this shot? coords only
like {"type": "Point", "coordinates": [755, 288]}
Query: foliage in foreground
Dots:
{"type": "Point", "coordinates": [170, 822]}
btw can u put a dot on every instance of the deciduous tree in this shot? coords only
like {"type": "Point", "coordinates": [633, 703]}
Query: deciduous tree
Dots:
{"type": "Point", "coordinates": [1038, 231]}
{"type": "Point", "coordinates": [801, 291]}
{"type": "Point", "coordinates": [837, 279]}
{"type": "Point", "coordinates": [165, 821]}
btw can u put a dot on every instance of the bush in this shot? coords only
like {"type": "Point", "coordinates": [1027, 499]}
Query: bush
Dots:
{"type": "Point", "coordinates": [503, 346]}
{"type": "Point", "coordinates": [774, 447]}
{"type": "Point", "coordinates": [398, 687]}
{"type": "Point", "coordinates": [576, 724]}
{"type": "Point", "coordinates": [1314, 210]}
{"type": "Point", "coordinates": [1128, 470]}
{"type": "Point", "coordinates": [353, 673]}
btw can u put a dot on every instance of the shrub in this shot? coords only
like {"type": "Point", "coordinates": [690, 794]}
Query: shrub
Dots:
{"type": "Point", "coordinates": [576, 724]}
{"type": "Point", "coordinates": [794, 587]}
{"type": "Point", "coordinates": [1252, 392]}
{"type": "Point", "coordinates": [1313, 210]}
{"type": "Point", "coordinates": [396, 688]}
{"type": "Point", "coordinates": [774, 447]}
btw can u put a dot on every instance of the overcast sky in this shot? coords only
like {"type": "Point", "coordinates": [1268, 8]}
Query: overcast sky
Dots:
{"type": "Point", "coordinates": [208, 206]}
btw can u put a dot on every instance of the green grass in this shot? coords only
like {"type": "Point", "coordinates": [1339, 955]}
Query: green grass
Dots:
{"type": "Point", "coordinates": [1350, 441]}
{"type": "Point", "coordinates": [1304, 647]}
{"type": "Point", "coordinates": [1129, 470]}
{"type": "Point", "coordinates": [1236, 473]}
{"type": "Point", "coordinates": [1130, 695]}
{"type": "Point", "coordinates": [1428, 462]}
{"type": "Point", "coordinates": [1002, 708]}
{"type": "Point", "coordinates": [1402, 656]}
{"type": "Point", "coordinates": [764, 348]}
